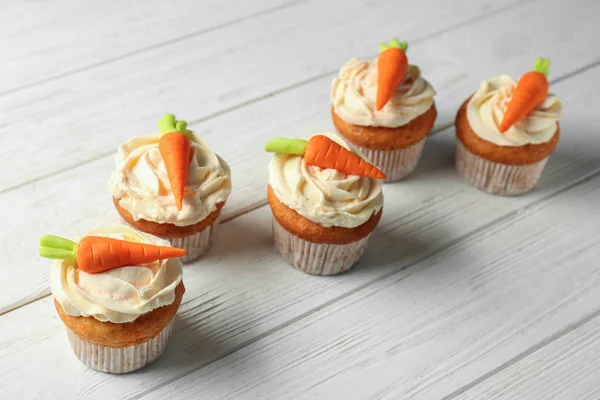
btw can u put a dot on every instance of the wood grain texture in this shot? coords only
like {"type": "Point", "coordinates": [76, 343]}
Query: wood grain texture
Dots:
{"type": "Point", "coordinates": [427, 330]}
{"type": "Point", "coordinates": [566, 368]}
{"type": "Point", "coordinates": [296, 113]}
{"type": "Point", "coordinates": [232, 302]}
{"type": "Point", "coordinates": [90, 113]}
{"type": "Point", "coordinates": [458, 291]}
{"type": "Point", "coordinates": [43, 41]}
{"type": "Point", "coordinates": [43, 207]}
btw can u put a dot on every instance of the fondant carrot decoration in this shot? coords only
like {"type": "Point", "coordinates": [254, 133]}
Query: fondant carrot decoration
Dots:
{"type": "Point", "coordinates": [323, 152]}
{"type": "Point", "coordinates": [95, 254]}
{"type": "Point", "coordinates": [392, 65]}
{"type": "Point", "coordinates": [531, 91]}
{"type": "Point", "coordinates": [176, 150]}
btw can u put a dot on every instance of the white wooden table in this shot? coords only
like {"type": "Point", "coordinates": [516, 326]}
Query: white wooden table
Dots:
{"type": "Point", "coordinates": [461, 295]}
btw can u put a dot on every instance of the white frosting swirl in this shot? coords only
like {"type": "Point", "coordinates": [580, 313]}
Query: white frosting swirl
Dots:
{"type": "Point", "coordinates": [354, 93]}
{"type": "Point", "coordinates": [142, 184]}
{"type": "Point", "coordinates": [119, 295]}
{"type": "Point", "coordinates": [486, 108]}
{"type": "Point", "coordinates": [325, 196]}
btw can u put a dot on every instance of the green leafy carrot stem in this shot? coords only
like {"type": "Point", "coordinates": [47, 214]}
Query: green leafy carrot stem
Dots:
{"type": "Point", "coordinates": [541, 65]}
{"type": "Point", "coordinates": [289, 146]}
{"type": "Point", "coordinates": [57, 247]}
{"type": "Point", "coordinates": [393, 44]}
{"type": "Point", "coordinates": [169, 124]}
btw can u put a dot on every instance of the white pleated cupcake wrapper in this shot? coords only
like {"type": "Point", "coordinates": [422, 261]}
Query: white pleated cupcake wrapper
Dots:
{"type": "Point", "coordinates": [120, 360]}
{"type": "Point", "coordinates": [497, 178]}
{"type": "Point", "coordinates": [194, 245]}
{"type": "Point", "coordinates": [197, 244]}
{"type": "Point", "coordinates": [396, 164]}
{"type": "Point", "coordinates": [317, 258]}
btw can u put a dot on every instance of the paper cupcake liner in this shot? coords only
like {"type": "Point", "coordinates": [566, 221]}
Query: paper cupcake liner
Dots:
{"type": "Point", "coordinates": [120, 360]}
{"type": "Point", "coordinates": [197, 244]}
{"type": "Point", "coordinates": [317, 258]}
{"type": "Point", "coordinates": [497, 178]}
{"type": "Point", "coordinates": [396, 164]}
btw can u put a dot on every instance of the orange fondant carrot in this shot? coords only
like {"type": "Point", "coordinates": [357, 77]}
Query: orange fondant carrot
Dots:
{"type": "Point", "coordinates": [176, 151]}
{"type": "Point", "coordinates": [392, 65]}
{"type": "Point", "coordinates": [95, 254]}
{"type": "Point", "coordinates": [323, 152]}
{"type": "Point", "coordinates": [531, 91]}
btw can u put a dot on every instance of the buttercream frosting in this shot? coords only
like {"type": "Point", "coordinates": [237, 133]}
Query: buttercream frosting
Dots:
{"type": "Point", "coordinates": [486, 108]}
{"type": "Point", "coordinates": [354, 93]}
{"type": "Point", "coordinates": [325, 196]}
{"type": "Point", "coordinates": [119, 295]}
{"type": "Point", "coordinates": [141, 183]}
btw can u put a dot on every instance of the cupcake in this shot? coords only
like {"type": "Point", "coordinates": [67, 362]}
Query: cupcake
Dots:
{"type": "Point", "coordinates": [326, 201]}
{"type": "Point", "coordinates": [117, 291]}
{"type": "Point", "coordinates": [506, 132]}
{"type": "Point", "coordinates": [171, 185]}
{"type": "Point", "coordinates": [385, 109]}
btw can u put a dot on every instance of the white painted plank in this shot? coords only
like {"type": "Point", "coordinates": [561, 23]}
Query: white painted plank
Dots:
{"type": "Point", "coordinates": [43, 40]}
{"type": "Point", "coordinates": [260, 300]}
{"type": "Point", "coordinates": [567, 368]}
{"type": "Point", "coordinates": [35, 209]}
{"type": "Point", "coordinates": [424, 332]}
{"type": "Point", "coordinates": [242, 291]}
{"type": "Point", "coordinates": [231, 302]}
{"type": "Point", "coordinates": [87, 115]}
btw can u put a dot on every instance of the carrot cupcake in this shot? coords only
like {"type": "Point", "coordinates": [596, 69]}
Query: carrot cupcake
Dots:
{"type": "Point", "coordinates": [384, 108]}
{"type": "Point", "coordinates": [170, 184]}
{"type": "Point", "coordinates": [117, 291]}
{"type": "Point", "coordinates": [326, 201]}
{"type": "Point", "coordinates": [506, 132]}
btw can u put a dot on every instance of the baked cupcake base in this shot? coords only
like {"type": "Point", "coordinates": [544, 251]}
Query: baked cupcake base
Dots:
{"type": "Point", "coordinates": [317, 258]}
{"type": "Point", "coordinates": [500, 170]}
{"type": "Point", "coordinates": [120, 360]}
{"type": "Point", "coordinates": [395, 164]}
{"type": "Point", "coordinates": [197, 244]}
{"type": "Point", "coordinates": [396, 151]}
{"type": "Point", "coordinates": [196, 239]}
{"type": "Point", "coordinates": [315, 249]}
{"type": "Point", "coordinates": [497, 178]}
{"type": "Point", "coordinates": [121, 348]}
